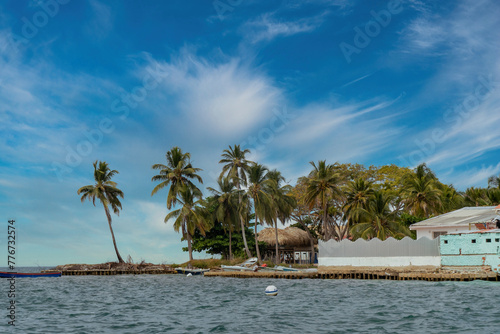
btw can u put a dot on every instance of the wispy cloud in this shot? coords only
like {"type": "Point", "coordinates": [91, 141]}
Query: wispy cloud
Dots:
{"type": "Point", "coordinates": [220, 98]}
{"type": "Point", "coordinates": [463, 40]}
{"type": "Point", "coordinates": [101, 21]}
{"type": "Point", "coordinates": [268, 27]}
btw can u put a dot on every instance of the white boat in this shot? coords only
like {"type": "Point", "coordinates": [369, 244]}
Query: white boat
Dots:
{"type": "Point", "coordinates": [248, 265]}
{"type": "Point", "coordinates": [187, 271]}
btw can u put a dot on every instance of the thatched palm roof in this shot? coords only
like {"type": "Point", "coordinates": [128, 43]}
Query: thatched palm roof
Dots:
{"type": "Point", "coordinates": [290, 236]}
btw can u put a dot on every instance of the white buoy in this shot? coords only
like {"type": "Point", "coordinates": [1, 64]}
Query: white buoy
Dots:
{"type": "Point", "coordinates": [189, 274]}
{"type": "Point", "coordinates": [272, 290]}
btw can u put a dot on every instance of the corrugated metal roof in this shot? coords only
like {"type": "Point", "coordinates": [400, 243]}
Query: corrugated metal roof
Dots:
{"type": "Point", "coordinates": [461, 217]}
{"type": "Point", "coordinates": [495, 230]}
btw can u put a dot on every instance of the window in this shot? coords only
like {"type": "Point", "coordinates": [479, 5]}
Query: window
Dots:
{"type": "Point", "coordinates": [446, 241]}
{"type": "Point", "coordinates": [438, 233]}
{"type": "Point", "coordinates": [497, 239]}
{"type": "Point", "coordinates": [488, 240]}
{"type": "Point", "coordinates": [473, 241]}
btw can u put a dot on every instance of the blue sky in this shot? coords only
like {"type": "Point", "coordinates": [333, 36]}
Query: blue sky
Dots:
{"type": "Point", "coordinates": [371, 82]}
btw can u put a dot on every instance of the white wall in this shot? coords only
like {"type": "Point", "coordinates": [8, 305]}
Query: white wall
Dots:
{"type": "Point", "coordinates": [392, 261]}
{"type": "Point", "coordinates": [427, 232]}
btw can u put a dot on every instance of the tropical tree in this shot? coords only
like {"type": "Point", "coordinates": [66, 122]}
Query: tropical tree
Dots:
{"type": "Point", "coordinates": [226, 207]}
{"type": "Point", "coordinates": [236, 168]}
{"type": "Point", "coordinates": [192, 216]}
{"type": "Point", "coordinates": [420, 194]}
{"type": "Point", "coordinates": [177, 174]}
{"type": "Point", "coordinates": [258, 191]}
{"type": "Point", "coordinates": [494, 182]}
{"type": "Point", "coordinates": [450, 198]}
{"type": "Point", "coordinates": [378, 220]}
{"type": "Point", "coordinates": [475, 196]}
{"type": "Point", "coordinates": [357, 193]}
{"type": "Point", "coordinates": [106, 192]}
{"type": "Point", "coordinates": [282, 200]}
{"type": "Point", "coordinates": [303, 213]}
{"type": "Point", "coordinates": [216, 242]}
{"type": "Point", "coordinates": [323, 184]}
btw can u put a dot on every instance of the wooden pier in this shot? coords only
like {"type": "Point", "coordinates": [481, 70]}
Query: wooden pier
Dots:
{"type": "Point", "coordinates": [421, 276]}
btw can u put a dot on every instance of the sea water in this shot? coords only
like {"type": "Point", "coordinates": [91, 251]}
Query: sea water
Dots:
{"type": "Point", "coordinates": [197, 304]}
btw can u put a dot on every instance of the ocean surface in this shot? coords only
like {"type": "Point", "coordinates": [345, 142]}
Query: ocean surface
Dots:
{"type": "Point", "coordinates": [179, 304]}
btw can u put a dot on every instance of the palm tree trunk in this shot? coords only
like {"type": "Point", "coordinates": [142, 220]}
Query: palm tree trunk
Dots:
{"type": "Point", "coordinates": [256, 242]}
{"type": "Point", "coordinates": [243, 226]}
{"type": "Point", "coordinates": [190, 247]}
{"type": "Point", "coordinates": [326, 228]}
{"type": "Point", "coordinates": [230, 251]}
{"type": "Point", "coordinates": [120, 260]}
{"type": "Point", "coordinates": [277, 260]}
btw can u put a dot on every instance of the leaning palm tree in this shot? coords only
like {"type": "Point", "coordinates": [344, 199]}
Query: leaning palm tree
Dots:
{"type": "Point", "coordinates": [420, 193]}
{"type": "Point", "coordinates": [378, 220]}
{"type": "Point", "coordinates": [192, 216]}
{"type": "Point", "coordinates": [236, 168]}
{"type": "Point", "coordinates": [262, 202]}
{"type": "Point", "coordinates": [177, 174]}
{"type": "Point", "coordinates": [283, 202]}
{"type": "Point", "coordinates": [106, 192]}
{"type": "Point", "coordinates": [323, 184]}
{"type": "Point", "coordinates": [226, 207]}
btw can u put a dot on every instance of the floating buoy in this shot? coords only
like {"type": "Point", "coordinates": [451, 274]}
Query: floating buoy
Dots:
{"type": "Point", "coordinates": [272, 290]}
{"type": "Point", "coordinates": [189, 274]}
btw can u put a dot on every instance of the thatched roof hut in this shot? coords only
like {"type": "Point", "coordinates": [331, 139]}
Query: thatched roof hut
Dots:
{"type": "Point", "coordinates": [290, 237]}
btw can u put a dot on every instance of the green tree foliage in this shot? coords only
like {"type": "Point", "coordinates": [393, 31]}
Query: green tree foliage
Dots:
{"type": "Point", "coordinates": [226, 207]}
{"type": "Point", "coordinates": [378, 220]}
{"type": "Point", "coordinates": [282, 202]}
{"type": "Point", "coordinates": [236, 167]}
{"type": "Point", "coordinates": [106, 192]}
{"type": "Point", "coordinates": [191, 217]}
{"type": "Point", "coordinates": [177, 174]}
{"type": "Point", "coordinates": [258, 192]}
{"type": "Point", "coordinates": [323, 186]}
{"type": "Point", "coordinates": [216, 242]}
{"type": "Point", "coordinates": [421, 195]}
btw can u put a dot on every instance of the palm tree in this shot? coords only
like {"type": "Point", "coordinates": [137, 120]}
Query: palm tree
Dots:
{"type": "Point", "coordinates": [236, 167]}
{"type": "Point", "coordinates": [283, 202]}
{"type": "Point", "coordinates": [420, 193]}
{"type": "Point", "coordinates": [322, 185]}
{"type": "Point", "coordinates": [377, 219]}
{"type": "Point", "coordinates": [302, 212]}
{"type": "Point", "coordinates": [494, 181]}
{"type": "Point", "coordinates": [192, 216]}
{"type": "Point", "coordinates": [475, 197]}
{"type": "Point", "coordinates": [358, 193]}
{"type": "Point", "coordinates": [105, 191]}
{"type": "Point", "coordinates": [177, 173]}
{"type": "Point", "coordinates": [258, 188]}
{"type": "Point", "coordinates": [450, 198]}
{"type": "Point", "coordinates": [226, 207]}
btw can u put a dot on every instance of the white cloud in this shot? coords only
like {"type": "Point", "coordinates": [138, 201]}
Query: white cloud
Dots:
{"type": "Point", "coordinates": [267, 27]}
{"type": "Point", "coordinates": [221, 99]}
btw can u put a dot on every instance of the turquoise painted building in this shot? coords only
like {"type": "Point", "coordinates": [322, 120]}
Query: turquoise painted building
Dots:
{"type": "Point", "coordinates": [474, 248]}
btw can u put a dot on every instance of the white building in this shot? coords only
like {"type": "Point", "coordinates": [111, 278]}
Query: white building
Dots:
{"type": "Point", "coordinates": [465, 219]}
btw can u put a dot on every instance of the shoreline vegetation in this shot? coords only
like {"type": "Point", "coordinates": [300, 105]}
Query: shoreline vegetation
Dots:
{"type": "Point", "coordinates": [212, 264]}
{"type": "Point", "coordinates": [333, 201]}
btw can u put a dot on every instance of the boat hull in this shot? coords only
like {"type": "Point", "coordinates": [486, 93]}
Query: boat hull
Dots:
{"type": "Point", "coordinates": [193, 272]}
{"type": "Point", "coordinates": [4, 274]}
{"type": "Point", "coordinates": [236, 268]}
